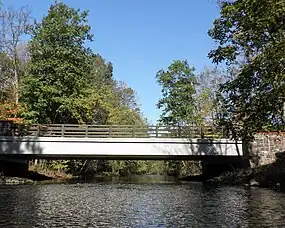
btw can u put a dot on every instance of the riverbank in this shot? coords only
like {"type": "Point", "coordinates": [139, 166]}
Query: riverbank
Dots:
{"type": "Point", "coordinates": [39, 173]}
{"type": "Point", "coordinates": [5, 180]}
{"type": "Point", "coordinates": [267, 176]}
{"type": "Point", "coordinates": [36, 174]}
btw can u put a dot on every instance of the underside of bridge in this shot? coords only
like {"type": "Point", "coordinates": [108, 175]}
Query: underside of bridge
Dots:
{"type": "Point", "coordinates": [14, 167]}
{"type": "Point", "coordinates": [211, 167]}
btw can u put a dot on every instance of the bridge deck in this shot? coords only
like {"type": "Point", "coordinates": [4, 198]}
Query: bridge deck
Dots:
{"type": "Point", "coordinates": [119, 148]}
{"type": "Point", "coordinates": [116, 142]}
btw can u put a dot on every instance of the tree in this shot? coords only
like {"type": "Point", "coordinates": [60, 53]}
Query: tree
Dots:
{"type": "Point", "coordinates": [208, 84]}
{"type": "Point", "coordinates": [59, 81]}
{"type": "Point", "coordinates": [127, 110]}
{"type": "Point", "coordinates": [5, 78]}
{"type": "Point", "coordinates": [14, 24]}
{"type": "Point", "coordinates": [252, 31]}
{"type": "Point", "coordinates": [178, 90]}
{"type": "Point", "coordinates": [101, 72]}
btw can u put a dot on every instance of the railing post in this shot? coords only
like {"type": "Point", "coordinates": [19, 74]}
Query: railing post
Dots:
{"type": "Point", "coordinates": [179, 131]}
{"type": "Point", "coordinates": [86, 131]}
{"type": "Point", "coordinates": [38, 130]}
{"type": "Point", "coordinates": [156, 131]}
{"type": "Point", "coordinates": [202, 132]}
{"type": "Point", "coordinates": [62, 130]}
{"type": "Point", "coordinates": [18, 130]}
{"type": "Point", "coordinates": [133, 132]}
{"type": "Point", "coordinates": [110, 131]}
{"type": "Point", "coordinates": [224, 135]}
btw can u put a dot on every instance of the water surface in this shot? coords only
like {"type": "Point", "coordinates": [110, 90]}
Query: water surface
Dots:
{"type": "Point", "coordinates": [156, 204]}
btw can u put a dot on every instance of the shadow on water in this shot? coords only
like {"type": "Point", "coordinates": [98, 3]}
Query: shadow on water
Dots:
{"type": "Point", "coordinates": [38, 177]}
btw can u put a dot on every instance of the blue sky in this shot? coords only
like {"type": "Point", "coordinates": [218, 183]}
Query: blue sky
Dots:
{"type": "Point", "coordinates": [142, 36]}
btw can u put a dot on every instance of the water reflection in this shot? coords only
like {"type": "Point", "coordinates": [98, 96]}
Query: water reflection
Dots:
{"type": "Point", "coordinates": [119, 204]}
{"type": "Point", "coordinates": [268, 207]}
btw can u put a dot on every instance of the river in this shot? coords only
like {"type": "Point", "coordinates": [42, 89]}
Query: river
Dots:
{"type": "Point", "coordinates": [142, 203]}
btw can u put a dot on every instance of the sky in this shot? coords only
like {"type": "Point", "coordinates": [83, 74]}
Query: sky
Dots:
{"type": "Point", "coordinates": [140, 37]}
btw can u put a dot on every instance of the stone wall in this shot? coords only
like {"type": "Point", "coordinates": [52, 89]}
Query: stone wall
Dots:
{"type": "Point", "coordinates": [263, 150]}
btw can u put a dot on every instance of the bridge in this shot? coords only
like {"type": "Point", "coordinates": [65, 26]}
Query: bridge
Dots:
{"type": "Point", "coordinates": [117, 142]}
{"type": "Point", "coordinates": [59, 141]}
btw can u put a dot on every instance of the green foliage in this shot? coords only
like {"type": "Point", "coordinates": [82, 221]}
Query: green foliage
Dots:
{"type": "Point", "coordinates": [101, 72]}
{"type": "Point", "coordinates": [188, 99]}
{"type": "Point", "coordinates": [151, 167]}
{"type": "Point", "coordinates": [59, 69]}
{"type": "Point", "coordinates": [126, 110]}
{"type": "Point", "coordinates": [67, 83]}
{"type": "Point", "coordinates": [59, 165]}
{"type": "Point", "coordinates": [252, 31]}
{"type": "Point", "coordinates": [190, 168]}
{"type": "Point", "coordinates": [178, 90]}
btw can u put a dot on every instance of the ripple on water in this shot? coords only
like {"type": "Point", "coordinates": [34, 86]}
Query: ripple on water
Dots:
{"type": "Point", "coordinates": [139, 205]}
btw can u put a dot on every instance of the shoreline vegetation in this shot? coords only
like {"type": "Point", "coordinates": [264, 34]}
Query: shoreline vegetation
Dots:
{"type": "Point", "coordinates": [271, 176]}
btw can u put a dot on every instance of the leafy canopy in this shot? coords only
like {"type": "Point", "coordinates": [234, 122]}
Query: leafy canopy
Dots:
{"type": "Point", "coordinates": [178, 89]}
{"type": "Point", "coordinates": [59, 69]}
{"type": "Point", "coordinates": [251, 36]}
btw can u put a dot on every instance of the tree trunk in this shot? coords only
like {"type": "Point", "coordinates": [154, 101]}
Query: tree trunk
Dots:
{"type": "Point", "coordinates": [16, 81]}
{"type": "Point", "coordinates": [16, 88]}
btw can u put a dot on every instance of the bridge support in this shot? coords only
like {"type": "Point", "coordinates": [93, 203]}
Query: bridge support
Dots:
{"type": "Point", "coordinates": [14, 167]}
{"type": "Point", "coordinates": [212, 169]}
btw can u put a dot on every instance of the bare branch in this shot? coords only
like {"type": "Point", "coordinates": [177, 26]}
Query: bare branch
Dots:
{"type": "Point", "coordinates": [14, 25]}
